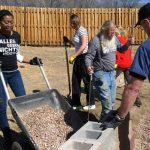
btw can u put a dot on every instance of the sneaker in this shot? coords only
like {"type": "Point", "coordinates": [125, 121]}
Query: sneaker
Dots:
{"type": "Point", "coordinates": [89, 107]}
{"type": "Point", "coordinates": [115, 122]}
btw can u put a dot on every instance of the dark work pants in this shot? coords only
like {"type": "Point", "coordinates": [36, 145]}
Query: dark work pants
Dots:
{"type": "Point", "coordinates": [80, 73]}
{"type": "Point", "coordinates": [126, 73]}
{"type": "Point", "coordinates": [127, 76]}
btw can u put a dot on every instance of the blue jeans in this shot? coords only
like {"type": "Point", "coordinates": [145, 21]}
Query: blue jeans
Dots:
{"type": "Point", "coordinates": [105, 85]}
{"type": "Point", "coordinates": [16, 84]}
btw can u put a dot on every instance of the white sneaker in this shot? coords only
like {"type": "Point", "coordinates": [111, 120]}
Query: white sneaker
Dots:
{"type": "Point", "coordinates": [77, 107]}
{"type": "Point", "coordinates": [89, 107]}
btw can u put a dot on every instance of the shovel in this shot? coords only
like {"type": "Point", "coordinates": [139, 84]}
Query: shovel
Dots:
{"type": "Point", "coordinates": [68, 72]}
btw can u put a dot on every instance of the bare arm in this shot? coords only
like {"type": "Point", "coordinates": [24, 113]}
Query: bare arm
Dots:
{"type": "Point", "coordinates": [90, 55]}
{"type": "Point", "coordinates": [121, 48]}
{"type": "Point", "coordinates": [83, 46]}
{"type": "Point", "coordinates": [22, 59]}
{"type": "Point", "coordinates": [26, 60]}
{"type": "Point", "coordinates": [130, 94]}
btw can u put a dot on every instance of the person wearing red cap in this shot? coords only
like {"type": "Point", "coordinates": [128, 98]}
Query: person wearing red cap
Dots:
{"type": "Point", "coordinates": [139, 71]}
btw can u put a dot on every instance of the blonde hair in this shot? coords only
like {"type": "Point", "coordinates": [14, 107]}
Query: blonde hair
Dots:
{"type": "Point", "coordinates": [121, 31]}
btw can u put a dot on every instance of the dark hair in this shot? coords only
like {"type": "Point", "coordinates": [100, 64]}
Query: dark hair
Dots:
{"type": "Point", "coordinates": [144, 12]}
{"type": "Point", "coordinates": [75, 19]}
{"type": "Point", "coordinates": [5, 12]}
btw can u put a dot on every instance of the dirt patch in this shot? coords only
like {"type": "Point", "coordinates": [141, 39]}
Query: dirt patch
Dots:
{"type": "Point", "coordinates": [143, 133]}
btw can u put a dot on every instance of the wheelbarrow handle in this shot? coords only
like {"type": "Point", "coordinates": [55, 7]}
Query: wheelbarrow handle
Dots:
{"type": "Point", "coordinates": [43, 73]}
{"type": "Point", "coordinates": [3, 82]}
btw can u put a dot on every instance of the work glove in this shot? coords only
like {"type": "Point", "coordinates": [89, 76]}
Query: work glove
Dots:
{"type": "Point", "coordinates": [36, 61]}
{"type": "Point", "coordinates": [66, 40]}
{"type": "Point", "coordinates": [111, 122]}
{"type": "Point", "coordinates": [72, 58]}
{"type": "Point", "coordinates": [115, 66]}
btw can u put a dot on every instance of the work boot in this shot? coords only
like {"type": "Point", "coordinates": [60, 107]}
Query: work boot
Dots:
{"type": "Point", "coordinates": [7, 138]}
{"type": "Point", "coordinates": [138, 102]}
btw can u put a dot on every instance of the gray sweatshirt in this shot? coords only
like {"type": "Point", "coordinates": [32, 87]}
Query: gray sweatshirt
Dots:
{"type": "Point", "coordinates": [100, 58]}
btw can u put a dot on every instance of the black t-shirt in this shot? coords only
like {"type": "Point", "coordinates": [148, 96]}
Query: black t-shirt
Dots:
{"type": "Point", "coordinates": [9, 47]}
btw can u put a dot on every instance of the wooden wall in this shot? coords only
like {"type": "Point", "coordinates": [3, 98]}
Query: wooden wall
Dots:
{"type": "Point", "coordinates": [47, 26]}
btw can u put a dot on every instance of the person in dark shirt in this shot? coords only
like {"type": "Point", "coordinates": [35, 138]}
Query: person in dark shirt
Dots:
{"type": "Point", "coordinates": [9, 55]}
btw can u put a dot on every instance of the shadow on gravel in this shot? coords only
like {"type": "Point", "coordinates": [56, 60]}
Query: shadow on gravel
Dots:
{"type": "Point", "coordinates": [84, 116]}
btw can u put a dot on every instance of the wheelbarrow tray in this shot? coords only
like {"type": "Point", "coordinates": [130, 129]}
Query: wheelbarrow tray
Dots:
{"type": "Point", "coordinates": [52, 98]}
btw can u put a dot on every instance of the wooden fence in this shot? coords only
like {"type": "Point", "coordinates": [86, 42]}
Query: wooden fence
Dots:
{"type": "Point", "coordinates": [47, 26]}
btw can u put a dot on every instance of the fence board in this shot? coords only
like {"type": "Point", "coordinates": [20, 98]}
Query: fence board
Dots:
{"type": "Point", "coordinates": [47, 26]}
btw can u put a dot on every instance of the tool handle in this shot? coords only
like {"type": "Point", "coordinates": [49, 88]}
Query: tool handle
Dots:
{"type": "Point", "coordinates": [90, 93]}
{"type": "Point", "coordinates": [44, 75]}
{"type": "Point", "coordinates": [68, 72]}
{"type": "Point", "coordinates": [3, 82]}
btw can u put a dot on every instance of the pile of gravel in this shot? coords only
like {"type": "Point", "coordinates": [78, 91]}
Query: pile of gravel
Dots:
{"type": "Point", "coordinates": [143, 133]}
{"type": "Point", "coordinates": [47, 127]}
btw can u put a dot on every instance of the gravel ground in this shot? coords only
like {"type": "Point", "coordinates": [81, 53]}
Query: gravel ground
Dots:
{"type": "Point", "coordinates": [47, 127]}
{"type": "Point", "coordinates": [143, 133]}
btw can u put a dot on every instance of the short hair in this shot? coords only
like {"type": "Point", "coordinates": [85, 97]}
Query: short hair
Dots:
{"type": "Point", "coordinates": [4, 13]}
{"type": "Point", "coordinates": [75, 19]}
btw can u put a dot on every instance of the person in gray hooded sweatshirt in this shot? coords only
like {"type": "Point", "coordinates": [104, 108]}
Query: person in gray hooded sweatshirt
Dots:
{"type": "Point", "coordinates": [100, 61]}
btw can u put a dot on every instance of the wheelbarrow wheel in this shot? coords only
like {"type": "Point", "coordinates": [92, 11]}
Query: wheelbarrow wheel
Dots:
{"type": "Point", "coordinates": [22, 143]}
{"type": "Point", "coordinates": [16, 146]}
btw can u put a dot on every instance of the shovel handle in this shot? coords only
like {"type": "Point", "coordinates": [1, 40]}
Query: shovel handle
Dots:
{"type": "Point", "coordinates": [90, 93]}
{"type": "Point", "coordinates": [68, 72]}
{"type": "Point", "coordinates": [44, 75]}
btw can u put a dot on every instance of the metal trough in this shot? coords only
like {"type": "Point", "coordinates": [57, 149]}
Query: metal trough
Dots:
{"type": "Point", "coordinates": [53, 99]}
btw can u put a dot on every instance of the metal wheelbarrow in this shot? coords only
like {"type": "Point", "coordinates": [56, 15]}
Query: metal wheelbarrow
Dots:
{"type": "Point", "coordinates": [52, 98]}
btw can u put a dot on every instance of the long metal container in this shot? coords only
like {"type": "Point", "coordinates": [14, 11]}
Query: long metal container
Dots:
{"type": "Point", "coordinates": [52, 98]}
